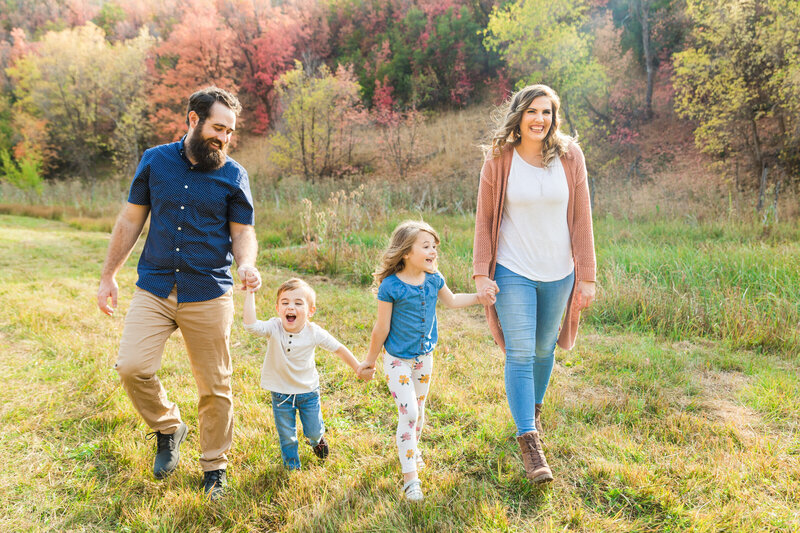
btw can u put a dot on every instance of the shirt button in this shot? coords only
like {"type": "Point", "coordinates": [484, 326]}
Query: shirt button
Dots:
{"type": "Point", "coordinates": [185, 186]}
{"type": "Point", "coordinates": [181, 207]}
{"type": "Point", "coordinates": [288, 349]}
{"type": "Point", "coordinates": [179, 228]}
{"type": "Point", "coordinates": [177, 249]}
{"type": "Point", "coordinates": [177, 270]}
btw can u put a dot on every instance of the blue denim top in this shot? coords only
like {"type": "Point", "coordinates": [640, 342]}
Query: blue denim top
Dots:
{"type": "Point", "coordinates": [189, 242]}
{"type": "Point", "coordinates": [413, 330]}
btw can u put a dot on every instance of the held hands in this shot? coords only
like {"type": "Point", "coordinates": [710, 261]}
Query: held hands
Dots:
{"type": "Point", "coordinates": [365, 371]}
{"type": "Point", "coordinates": [250, 278]}
{"type": "Point", "coordinates": [486, 289]}
{"type": "Point", "coordinates": [487, 296]}
{"type": "Point", "coordinates": [584, 295]}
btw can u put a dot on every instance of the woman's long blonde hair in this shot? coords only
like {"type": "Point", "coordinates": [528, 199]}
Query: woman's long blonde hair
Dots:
{"type": "Point", "coordinates": [509, 117]}
{"type": "Point", "coordinates": [400, 243]}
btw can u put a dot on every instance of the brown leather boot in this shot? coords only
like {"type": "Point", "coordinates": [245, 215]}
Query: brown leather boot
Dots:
{"type": "Point", "coordinates": [536, 468]}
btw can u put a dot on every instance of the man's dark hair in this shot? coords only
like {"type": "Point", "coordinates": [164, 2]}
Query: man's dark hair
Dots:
{"type": "Point", "coordinates": [201, 102]}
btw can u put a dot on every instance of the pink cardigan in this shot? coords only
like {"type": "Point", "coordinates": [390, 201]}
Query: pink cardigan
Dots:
{"type": "Point", "coordinates": [491, 195]}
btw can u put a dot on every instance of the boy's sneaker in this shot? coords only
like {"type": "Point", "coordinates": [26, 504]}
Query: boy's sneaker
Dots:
{"type": "Point", "coordinates": [167, 450]}
{"type": "Point", "coordinates": [321, 450]}
{"type": "Point", "coordinates": [413, 491]}
{"type": "Point", "coordinates": [214, 482]}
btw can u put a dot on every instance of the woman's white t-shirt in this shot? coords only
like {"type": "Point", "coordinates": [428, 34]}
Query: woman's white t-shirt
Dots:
{"type": "Point", "coordinates": [534, 237]}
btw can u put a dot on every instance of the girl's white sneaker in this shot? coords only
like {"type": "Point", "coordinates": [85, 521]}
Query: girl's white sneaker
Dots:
{"type": "Point", "coordinates": [413, 491]}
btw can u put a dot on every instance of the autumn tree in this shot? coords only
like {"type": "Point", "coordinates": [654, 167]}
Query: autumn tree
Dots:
{"type": "Point", "coordinates": [651, 29]}
{"type": "Point", "coordinates": [199, 51]}
{"type": "Point", "coordinates": [738, 80]}
{"type": "Point", "coordinates": [550, 43]}
{"type": "Point", "coordinates": [429, 50]}
{"type": "Point", "coordinates": [315, 135]}
{"type": "Point", "coordinates": [264, 47]}
{"type": "Point", "coordinates": [72, 94]}
{"type": "Point", "coordinates": [398, 129]}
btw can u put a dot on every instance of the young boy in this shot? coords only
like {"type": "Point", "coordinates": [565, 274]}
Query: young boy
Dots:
{"type": "Point", "coordinates": [289, 370]}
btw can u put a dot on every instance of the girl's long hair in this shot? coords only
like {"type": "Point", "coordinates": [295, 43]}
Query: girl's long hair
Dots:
{"type": "Point", "coordinates": [509, 117]}
{"type": "Point", "coordinates": [400, 243]}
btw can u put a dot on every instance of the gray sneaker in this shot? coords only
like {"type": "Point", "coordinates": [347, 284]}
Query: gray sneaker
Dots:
{"type": "Point", "coordinates": [167, 450]}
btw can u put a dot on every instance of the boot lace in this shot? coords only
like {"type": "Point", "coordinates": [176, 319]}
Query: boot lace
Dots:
{"type": "Point", "coordinates": [535, 452]}
{"type": "Point", "coordinates": [213, 477]}
{"type": "Point", "coordinates": [163, 442]}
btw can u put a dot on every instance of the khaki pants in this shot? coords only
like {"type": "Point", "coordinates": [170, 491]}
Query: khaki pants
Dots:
{"type": "Point", "coordinates": [206, 328]}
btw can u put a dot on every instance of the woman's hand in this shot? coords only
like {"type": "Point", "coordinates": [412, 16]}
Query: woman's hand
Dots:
{"type": "Point", "coordinates": [486, 289]}
{"type": "Point", "coordinates": [584, 295]}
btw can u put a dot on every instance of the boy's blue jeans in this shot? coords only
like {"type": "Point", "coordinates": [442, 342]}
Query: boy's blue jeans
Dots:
{"type": "Point", "coordinates": [530, 313]}
{"type": "Point", "coordinates": [285, 408]}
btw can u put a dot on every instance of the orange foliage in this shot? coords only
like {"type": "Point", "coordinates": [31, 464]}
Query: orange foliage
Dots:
{"type": "Point", "coordinates": [199, 52]}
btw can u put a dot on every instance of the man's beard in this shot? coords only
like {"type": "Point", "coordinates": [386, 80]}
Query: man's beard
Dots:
{"type": "Point", "coordinates": [207, 156]}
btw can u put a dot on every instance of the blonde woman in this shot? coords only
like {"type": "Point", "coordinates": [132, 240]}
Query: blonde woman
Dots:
{"type": "Point", "coordinates": [534, 246]}
{"type": "Point", "coordinates": [408, 286]}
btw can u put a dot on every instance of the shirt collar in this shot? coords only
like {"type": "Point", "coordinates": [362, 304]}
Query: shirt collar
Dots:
{"type": "Point", "coordinates": [182, 151]}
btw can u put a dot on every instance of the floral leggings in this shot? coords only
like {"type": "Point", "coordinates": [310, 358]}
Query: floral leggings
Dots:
{"type": "Point", "coordinates": [409, 381]}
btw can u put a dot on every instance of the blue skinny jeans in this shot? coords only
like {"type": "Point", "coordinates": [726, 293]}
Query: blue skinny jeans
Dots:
{"type": "Point", "coordinates": [530, 313]}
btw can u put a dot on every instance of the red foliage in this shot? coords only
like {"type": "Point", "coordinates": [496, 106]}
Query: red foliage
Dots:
{"type": "Point", "coordinates": [462, 88]}
{"type": "Point", "coordinates": [199, 52]}
{"type": "Point", "coordinates": [383, 103]}
{"type": "Point", "coordinates": [265, 47]}
{"type": "Point", "coordinates": [434, 8]}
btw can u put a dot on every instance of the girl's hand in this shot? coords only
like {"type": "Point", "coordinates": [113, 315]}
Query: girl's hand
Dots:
{"type": "Point", "coordinates": [584, 295]}
{"type": "Point", "coordinates": [365, 371]}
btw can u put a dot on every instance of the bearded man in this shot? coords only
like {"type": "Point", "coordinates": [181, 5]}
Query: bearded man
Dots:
{"type": "Point", "coordinates": [201, 217]}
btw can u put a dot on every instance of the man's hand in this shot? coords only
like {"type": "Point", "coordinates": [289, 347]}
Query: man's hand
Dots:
{"type": "Point", "coordinates": [123, 237]}
{"type": "Point", "coordinates": [108, 288]}
{"type": "Point", "coordinates": [250, 277]}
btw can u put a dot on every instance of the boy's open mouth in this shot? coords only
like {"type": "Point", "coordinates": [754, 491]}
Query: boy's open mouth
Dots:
{"type": "Point", "coordinates": [290, 318]}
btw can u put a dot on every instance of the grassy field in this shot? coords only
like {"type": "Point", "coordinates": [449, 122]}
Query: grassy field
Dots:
{"type": "Point", "coordinates": [676, 411]}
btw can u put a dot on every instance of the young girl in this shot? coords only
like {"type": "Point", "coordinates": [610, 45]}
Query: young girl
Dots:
{"type": "Point", "coordinates": [408, 287]}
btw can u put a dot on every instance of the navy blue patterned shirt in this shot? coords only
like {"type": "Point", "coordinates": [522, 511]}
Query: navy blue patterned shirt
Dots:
{"type": "Point", "coordinates": [413, 330]}
{"type": "Point", "coordinates": [189, 242]}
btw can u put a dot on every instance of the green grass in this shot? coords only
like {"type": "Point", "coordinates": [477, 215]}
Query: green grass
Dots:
{"type": "Point", "coordinates": [676, 411]}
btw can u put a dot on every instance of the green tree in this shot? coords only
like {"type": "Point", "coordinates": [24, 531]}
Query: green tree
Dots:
{"type": "Point", "coordinates": [550, 43]}
{"type": "Point", "coordinates": [24, 174]}
{"type": "Point", "coordinates": [315, 135]}
{"type": "Point", "coordinates": [739, 81]}
{"type": "Point", "coordinates": [88, 93]}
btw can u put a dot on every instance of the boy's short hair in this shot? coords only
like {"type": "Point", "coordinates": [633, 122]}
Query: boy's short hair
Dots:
{"type": "Point", "coordinates": [297, 283]}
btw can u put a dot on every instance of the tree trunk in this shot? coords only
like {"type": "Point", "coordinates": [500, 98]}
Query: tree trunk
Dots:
{"type": "Point", "coordinates": [761, 190]}
{"type": "Point", "coordinates": [649, 60]}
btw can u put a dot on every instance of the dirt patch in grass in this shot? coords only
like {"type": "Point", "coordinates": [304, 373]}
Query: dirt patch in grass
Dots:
{"type": "Point", "coordinates": [719, 391]}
